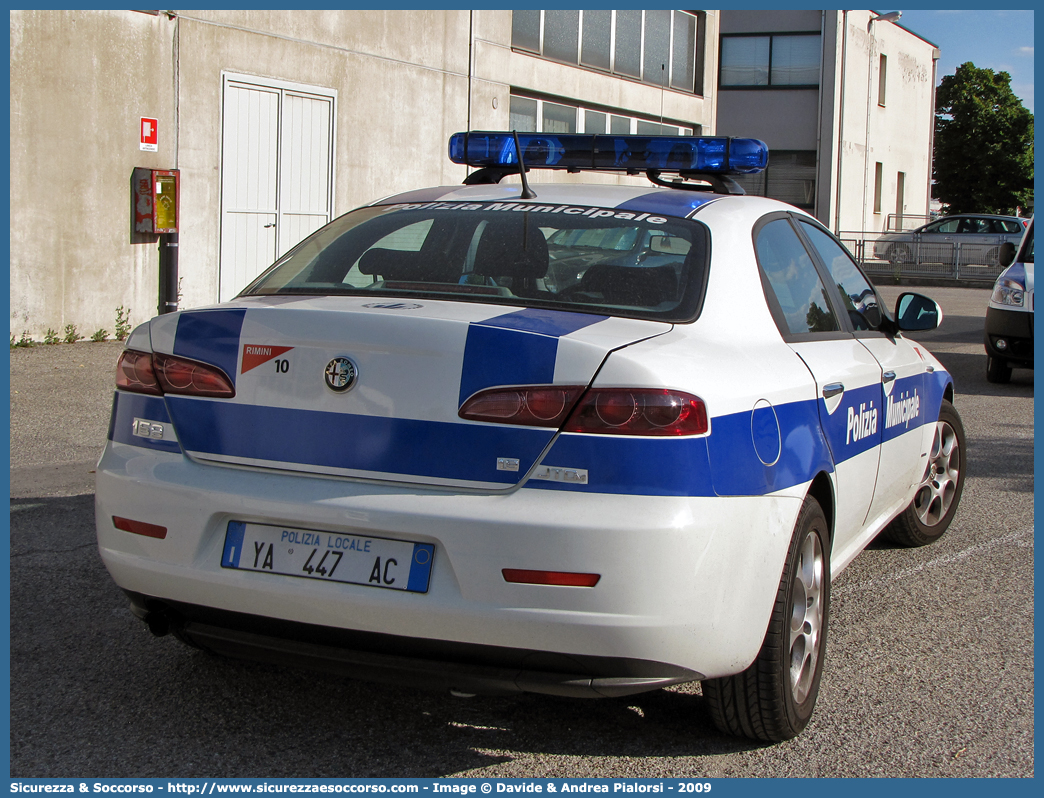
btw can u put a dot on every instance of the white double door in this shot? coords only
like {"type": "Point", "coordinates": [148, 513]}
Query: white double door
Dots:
{"type": "Point", "coordinates": [276, 172]}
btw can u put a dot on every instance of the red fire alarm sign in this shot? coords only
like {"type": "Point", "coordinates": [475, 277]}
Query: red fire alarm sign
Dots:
{"type": "Point", "coordinates": [149, 134]}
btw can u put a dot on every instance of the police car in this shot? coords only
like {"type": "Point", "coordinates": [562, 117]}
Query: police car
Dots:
{"type": "Point", "coordinates": [1008, 336]}
{"type": "Point", "coordinates": [404, 454]}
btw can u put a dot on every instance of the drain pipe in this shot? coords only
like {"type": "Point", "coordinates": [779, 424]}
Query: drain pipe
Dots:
{"type": "Point", "coordinates": [168, 242]}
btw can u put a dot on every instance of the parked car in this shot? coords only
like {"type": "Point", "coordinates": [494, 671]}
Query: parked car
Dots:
{"type": "Point", "coordinates": [1009, 317]}
{"type": "Point", "coordinates": [973, 238]}
{"type": "Point", "coordinates": [401, 453]}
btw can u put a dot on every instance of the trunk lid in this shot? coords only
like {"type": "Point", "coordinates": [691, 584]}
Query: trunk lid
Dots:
{"type": "Point", "coordinates": [370, 388]}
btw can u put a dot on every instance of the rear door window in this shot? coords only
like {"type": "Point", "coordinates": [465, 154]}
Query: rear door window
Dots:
{"type": "Point", "coordinates": [856, 292]}
{"type": "Point", "coordinates": [802, 304]}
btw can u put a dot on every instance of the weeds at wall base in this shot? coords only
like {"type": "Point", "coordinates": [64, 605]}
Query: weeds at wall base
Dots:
{"type": "Point", "coordinates": [72, 335]}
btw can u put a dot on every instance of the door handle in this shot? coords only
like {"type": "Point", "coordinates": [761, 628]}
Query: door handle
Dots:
{"type": "Point", "coordinates": [269, 225]}
{"type": "Point", "coordinates": [888, 377]}
{"type": "Point", "coordinates": [833, 389]}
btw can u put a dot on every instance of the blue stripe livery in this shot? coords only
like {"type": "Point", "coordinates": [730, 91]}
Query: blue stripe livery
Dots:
{"type": "Point", "coordinates": [517, 348]}
{"type": "Point", "coordinates": [531, 360]}
{"type": "Point", "coordinates": [128, 406]}
{"type": "Point", "coordinates": [669, 203]}
{"type": "Point", "coordinates": [737, 468]}
{"type": "Point", "coordinates": [636, 466]}
{"type": "Point", "coordinates": [544, 322]}
{"type": "Point", "coordinates": [363, 443]}
{"type": "Point", "coordinates": [855, 426]}
{"type": "Point", "coordinates": [211, 336]}
{"type": "Point", "coordinates": [725, 463]}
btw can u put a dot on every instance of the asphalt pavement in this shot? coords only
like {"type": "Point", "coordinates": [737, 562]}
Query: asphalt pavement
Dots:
{"type": "Point", "coordinates": [929, 671]}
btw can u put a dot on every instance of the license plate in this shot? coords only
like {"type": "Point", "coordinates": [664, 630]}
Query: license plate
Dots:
{"type": "Point", "coordinates": [353, 559]}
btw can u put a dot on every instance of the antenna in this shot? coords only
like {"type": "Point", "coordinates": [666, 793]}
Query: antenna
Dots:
{"type": "Point", "coordinates": [527, 192]}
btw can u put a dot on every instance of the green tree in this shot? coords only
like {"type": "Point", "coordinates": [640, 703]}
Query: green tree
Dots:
{"type": "Point", "coordinates": [983, 143]}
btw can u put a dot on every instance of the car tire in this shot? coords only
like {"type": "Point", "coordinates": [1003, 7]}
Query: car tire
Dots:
{"type": "Point", "coordinates": [928, 516]}
{"type": "Point", "coordinates": [773, 699]}
{"type": "Point", "coordinates": [899, 256]}
{"type": "Point", "coordinates": [997, 370]}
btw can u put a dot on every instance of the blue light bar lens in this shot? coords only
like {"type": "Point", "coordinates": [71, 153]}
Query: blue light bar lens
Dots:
{"type": "Point", "coordinates": [710, 154]}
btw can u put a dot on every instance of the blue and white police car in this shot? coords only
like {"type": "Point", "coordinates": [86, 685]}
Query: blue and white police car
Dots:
{"type": "Point", "coordinates": [1008, 334]}
{"type": "Point", "coordinates": [405, 453]}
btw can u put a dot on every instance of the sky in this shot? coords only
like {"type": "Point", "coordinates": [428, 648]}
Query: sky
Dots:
{"type": "Point", "coordinates": [997, 40]}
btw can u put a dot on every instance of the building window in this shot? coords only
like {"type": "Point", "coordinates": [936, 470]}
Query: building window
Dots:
{"type": "Point", "coordinates": [878, 185]}
{"type": "Point", "coordinates": [656, 46]}
{"type": "Point", "coordinates": [882, 71]}
{"type": "Point", "coordinates": [790, 177]}
{"type": "Point", "coordinates": [770, 61]}
{"type": "Point", "coordinates": [531, 115]}
{"type": "Point", "coordinates": [525, 30]}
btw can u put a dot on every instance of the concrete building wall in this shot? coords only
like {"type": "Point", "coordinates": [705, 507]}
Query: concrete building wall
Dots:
{"type": "Point", "coordinates": [499, 70]}
{"type": "Point", "coordinates": [897, 134]}
{"type": "Point", "coordinates": [404, 82]}
{"type": "Point", "coordinates": [842, 120]}
{"type": "Point", "coordinates": [399, 98]}
{"type": "Point", "coordinates": [80, 82]}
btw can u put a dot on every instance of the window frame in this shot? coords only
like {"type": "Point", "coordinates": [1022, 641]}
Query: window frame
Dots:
{"type": "Point", "coordinates": [767, 175]}
{"type": "Point", "coordinates": [770, 86]}
{"type": "Point", "coordinates": [873, 332]}
{"type": "Point", "coordinates": [610, 114]}
{"type": "Point", "coordinates": [882, 79]}
{"type": "Point", "coordinates": [441, 237]}
{"type": "Point", "coordinates": [833, 296]}
{"type": "Point", "coordinates": [878, 187]}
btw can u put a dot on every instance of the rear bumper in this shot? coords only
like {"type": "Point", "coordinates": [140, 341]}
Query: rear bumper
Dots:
{"type": "Point", "coordinates": [431, 664]}
{"type": "Point", "coordinates": [686, 583]}
{"type": "Point", "coordinates": [1015, 329]}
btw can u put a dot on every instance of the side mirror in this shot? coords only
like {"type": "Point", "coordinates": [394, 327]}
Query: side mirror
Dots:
{"type": "Point", "coordinates": [1006, 256]}
{"type": "Point", "coordinates": [917, 313]}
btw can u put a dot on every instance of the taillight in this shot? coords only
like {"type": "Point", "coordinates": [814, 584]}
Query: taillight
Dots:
{"type": "Point", "coordinates": [605, 411]}
{"type": "Point", "coordinates": [638, 411]}
{"type": "Point", "coordinates": [158, 374]}
{"type": "Point", "coordinates": [535, 406]}
{"type": "Point", "coordinates": [139, 527]}
{"type": "Point", "coordinates": [134, 373]}
{"type": "Point", "coordinates": [179, 375]}
{"type": "Point", "coordinates": [558, 578]}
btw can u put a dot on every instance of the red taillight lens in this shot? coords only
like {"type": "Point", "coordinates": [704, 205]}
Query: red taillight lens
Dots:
{"type": "Point", "coordinates": [134, 373]}
{"type": "Point", "coordinates": [638, 411]}
{"type": "Point", "coordinates": [538, 406]}
{"type": "Point", "coordinates": [190, 377]}
{"type": "Point", "coordinates": [604, 411]}
{"type": "Point", "coordinates": [139, 527]}
{"type": "Point", "coordinates": [157, 374]}
{"type": "Point", "coordinates": [561, 578]}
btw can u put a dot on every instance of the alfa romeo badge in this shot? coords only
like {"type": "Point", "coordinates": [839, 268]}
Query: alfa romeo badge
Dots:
{"type": "Point", "coordinates": [341, 374]}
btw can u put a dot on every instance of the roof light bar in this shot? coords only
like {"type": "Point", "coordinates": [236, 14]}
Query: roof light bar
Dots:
{"type": "Point", "coordinates": [704, 154]}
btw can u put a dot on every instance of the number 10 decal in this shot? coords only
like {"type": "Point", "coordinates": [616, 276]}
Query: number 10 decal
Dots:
{"type": "Point", "coordinates": [255, 355]}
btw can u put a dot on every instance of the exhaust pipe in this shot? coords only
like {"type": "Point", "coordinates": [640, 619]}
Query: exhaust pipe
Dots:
{"type": "Point", "coordinates": [158, 623]}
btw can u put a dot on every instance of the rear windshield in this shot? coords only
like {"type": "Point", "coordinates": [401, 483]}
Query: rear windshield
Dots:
{"type": "Point", "coordinates": [577, 258]}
